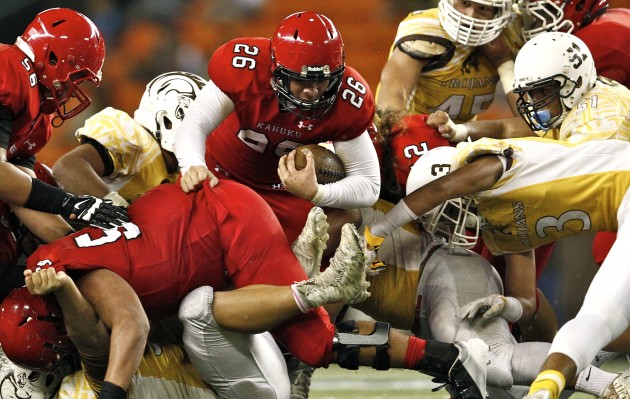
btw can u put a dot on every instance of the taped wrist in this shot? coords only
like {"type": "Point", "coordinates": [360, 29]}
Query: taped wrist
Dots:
{"type": "Point", "coordinates": [551, 380]}
{"type": "Point", "coordinates": [513, 309]}
{"type": "Point", "coordinates": [112, 391]}
{"type": "Point", "coordinates": [45, 198]}
{"type": "Point", "coordinates": [506, 75]}
{"type": "Point", "coordinates": [460, 131]}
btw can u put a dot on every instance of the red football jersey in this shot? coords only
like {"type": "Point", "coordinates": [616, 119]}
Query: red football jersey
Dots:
{"type": "Point", "coordinates": [224, 236]}
{"type": "Point", "coordinates": [411, 139]}
{"type": "Point", "coordinates": [19, 93]}
{"type": "Point", "coordinates": [608, 39]}
{"type": "Point", "coordinates": [249, 143]}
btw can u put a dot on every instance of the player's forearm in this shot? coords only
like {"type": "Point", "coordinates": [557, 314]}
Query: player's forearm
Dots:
{"type": "Point", "coordinates": [80, 178]}
{"type": "Point", "coordinates": [498, 129]}
{"type": "Point", "coordinates": [361, 186]}
{"type": "Point", "coordinates": [45, 226]}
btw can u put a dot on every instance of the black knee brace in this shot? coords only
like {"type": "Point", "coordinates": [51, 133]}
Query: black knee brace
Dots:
{"type": "Point", "coordinates": [347, 343]}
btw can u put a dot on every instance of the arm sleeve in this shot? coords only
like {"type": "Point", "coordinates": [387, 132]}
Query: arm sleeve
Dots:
{"type": "Point", "coordinates": [208, 110]}
{"type": "Point", "coordinates": [361, 186]}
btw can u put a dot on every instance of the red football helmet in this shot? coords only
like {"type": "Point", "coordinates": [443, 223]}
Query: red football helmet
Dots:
{"type": "Point", "coordinates": [66, 49]}
{"type": "Point", "coordinates": [558, 15]}
{"type": "Point", "coordinates": [306, 46]}
{"type": "Point", "coordinates": [32, 333]}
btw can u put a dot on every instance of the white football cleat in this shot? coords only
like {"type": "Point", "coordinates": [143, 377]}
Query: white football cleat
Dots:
{"type": "Point", "coordinates": [344, 280]}
{"type": "Point", "coordinates": [472, 362]}
{"type": "Point", "coordinates": [619, 388]}
{"type": "Point", "coordinates": [311, 243]}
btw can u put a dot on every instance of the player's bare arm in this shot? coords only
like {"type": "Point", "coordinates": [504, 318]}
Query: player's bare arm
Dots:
{"type": "Point", "coordinates": [80, 170]}
{"type": "Point", "coordinates": [477, 176]}
{"type": "Point", "coordinates": [496, 129]}
{"type": "Point", "coordinates": [520, 281]}
{"type": "Point", "coordinates": [398, 80]}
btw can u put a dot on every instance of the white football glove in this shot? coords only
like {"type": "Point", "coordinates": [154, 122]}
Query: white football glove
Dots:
{"type": "Point", "coordinates": [494, 305]}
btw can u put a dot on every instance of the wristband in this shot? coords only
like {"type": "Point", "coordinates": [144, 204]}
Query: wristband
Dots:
{"type": "Point", "coordinates": [111, 391]}
{"type": "Point", "coordinates": [513, 309]}
{"type": "Point", "coordinates": [460, 131]}
{"type": "Point", "coordinates": [45, 198]}
{"type": "Point", "coordinates": [506, 74]}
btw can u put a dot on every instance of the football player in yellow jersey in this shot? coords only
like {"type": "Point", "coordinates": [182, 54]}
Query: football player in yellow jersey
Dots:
{"type": "Point", "coordinates": [572, 103]}
{"type": "Point", "coordinates": [451, 58]}
{"type": "Point", "coordinates": [120, 157]}
{"type": "Point", "coordinates": [531, 192]}
{"type": "Point", "coordinates": [431, 277]}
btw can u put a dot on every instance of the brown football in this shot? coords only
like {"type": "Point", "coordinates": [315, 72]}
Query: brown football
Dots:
{"type": "Point", "coordinates": [328, 166]}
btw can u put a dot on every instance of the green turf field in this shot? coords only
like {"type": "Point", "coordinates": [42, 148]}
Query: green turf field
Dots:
{"type": "Point", "coordinates": [365, 383]}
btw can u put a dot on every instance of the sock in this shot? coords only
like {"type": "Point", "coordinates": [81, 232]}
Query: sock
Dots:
{"type": "Point", "coordinates": [594, 381]}
{"type": "Point", "coordinates": [415, 352]}
{"type": "Point", "coordinates": [551, 380]}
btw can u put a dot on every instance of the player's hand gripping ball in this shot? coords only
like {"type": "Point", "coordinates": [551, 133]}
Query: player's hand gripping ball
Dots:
{"type": "Point", "coordinates": [328, 166]}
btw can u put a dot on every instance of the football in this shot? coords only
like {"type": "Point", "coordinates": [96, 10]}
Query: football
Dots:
{"type": "Point", "coordinates": [328, 166]}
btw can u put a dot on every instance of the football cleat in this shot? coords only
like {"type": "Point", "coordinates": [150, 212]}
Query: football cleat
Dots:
{"type": "Point", "coordinates": [468, 373]}
{"type": "Point", "coordinates": [619, 388]}
{"type": "Point", "coordinates": [311, 243]}
{"type": "Point", "coordinates": [300, 376]}
{"type": "Point", "coordinates": [344, 280]}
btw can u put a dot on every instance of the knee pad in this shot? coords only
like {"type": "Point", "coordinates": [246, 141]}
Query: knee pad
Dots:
{"type": "Point", "coordinates": [347, 343]}
{"type": "Point", "coordinates": [197, 305]}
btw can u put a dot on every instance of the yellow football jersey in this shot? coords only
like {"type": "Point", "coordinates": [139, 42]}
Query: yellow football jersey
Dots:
{"type": "Point", "coordinates": [165, 372]}
{"type": "Point", "coordinates": [137, 156]}
{"type": "Point", "coordinates": [550, 190]}
{"type": "Point", "coordinates": [393, 290]}
{"type": "Point", "coordinates": [598, 116]}
{"type": "Point", "coordinates": [455, 79]}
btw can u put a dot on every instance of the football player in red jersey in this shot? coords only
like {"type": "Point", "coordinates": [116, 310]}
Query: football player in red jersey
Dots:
{"type": "Point", "coordinates": [266, 97]}
{"type": "Point", "coordinates": [207, 239]}
{"type": "Point", "coordinates": [40, 76]}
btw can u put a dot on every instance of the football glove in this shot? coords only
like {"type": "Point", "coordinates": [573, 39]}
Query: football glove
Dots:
{"type": "Point", "coordinates": [494, 305]}
{"type": "Point", "coordinates": [94, 211]}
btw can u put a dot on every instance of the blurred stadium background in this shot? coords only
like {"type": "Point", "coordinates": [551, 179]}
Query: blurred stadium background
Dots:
{"type": "Point", "coordinates": [147, 37]}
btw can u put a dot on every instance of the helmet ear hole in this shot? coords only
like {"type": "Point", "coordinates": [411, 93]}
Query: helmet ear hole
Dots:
{"type": "Point", "coordinates": [52, 59]}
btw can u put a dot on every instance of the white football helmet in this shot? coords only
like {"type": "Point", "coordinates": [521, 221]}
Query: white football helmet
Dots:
{"type": "Point", "coordinates": [455, 219]}
{"type": "Point", "coordinates": [471, 31]}
{"type": "Point", "coordinates": [559, 68]}
{"type": "Point", "coordinates": [165, 102]}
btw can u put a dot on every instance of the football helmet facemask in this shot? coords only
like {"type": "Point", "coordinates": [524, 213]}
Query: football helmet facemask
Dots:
{"type": "Point", "coordinates": [164, 104]}
{"type": "Point", "coordinates": [563, 73]}
{"type": "Point", "coordinates": [455, 220]}
{"type": "Point", "coordinates": [306, 46]}
{"type": "Point", "coordinates": [32, 332]}
{"type": "Point", "coordinates": [470, 31]}
{"type": "Point", "coordinates": [558, 15]}
{"type": "Point", "coordinates": [66, 49]}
